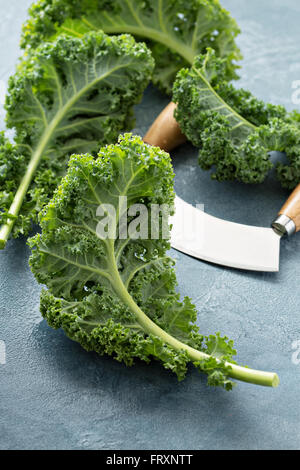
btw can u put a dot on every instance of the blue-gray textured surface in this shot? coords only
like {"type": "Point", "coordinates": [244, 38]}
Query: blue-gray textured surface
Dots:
{"type": "Point", "coordinates": [55, 395]}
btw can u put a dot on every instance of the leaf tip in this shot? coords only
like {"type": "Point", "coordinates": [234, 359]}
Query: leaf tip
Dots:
{"type": "Point", "coordinates": [275, 381]}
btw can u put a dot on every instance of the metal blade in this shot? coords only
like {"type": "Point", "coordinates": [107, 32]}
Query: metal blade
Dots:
{"type": "Point", "coordinates": [203, 236]}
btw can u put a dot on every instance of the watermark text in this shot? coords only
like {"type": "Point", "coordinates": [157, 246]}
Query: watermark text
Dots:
{"type": "Point", "coordinates": [142, 222]}
{"type": "Point", "coordinates": [2, 353]}
{"type": "Point", "coordinates": [296, 353]}
{"type": "Point", "coordinates": [296, 93]}
{"type": "Point", "coordinates": [2, 92]}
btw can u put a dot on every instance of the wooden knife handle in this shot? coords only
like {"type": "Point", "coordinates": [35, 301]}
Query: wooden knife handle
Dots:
{"type": "Point", "coordinates": [165, 131]}
{"type": "Point", "coordinates": [288, 220]}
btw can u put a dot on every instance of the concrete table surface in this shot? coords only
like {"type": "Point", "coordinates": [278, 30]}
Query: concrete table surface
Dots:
{"type": "Point", "coordinates": [54, 395]}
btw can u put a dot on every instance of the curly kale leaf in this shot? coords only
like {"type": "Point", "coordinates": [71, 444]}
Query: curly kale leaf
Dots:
{"type": "Point", "coordinates": [234, 131]}
{"type": "Point", "coordinates": [72, 94]}
{"type": "Point", "coordinates": [175, 30]}
{"type": "Point", "coordinates": [13, 166]}
{"type": "Point", "coordinates": [117, 294]}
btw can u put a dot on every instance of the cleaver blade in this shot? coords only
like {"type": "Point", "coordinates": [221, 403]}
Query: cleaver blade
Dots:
{"type": "Point", "coordinates": [218, 241]}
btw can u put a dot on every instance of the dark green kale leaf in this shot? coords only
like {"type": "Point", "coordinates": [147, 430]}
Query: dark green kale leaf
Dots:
{"type": "Point", "coordinates": [234, 131]}
{"type": "Point", "coordinates": [175, 30]}
{"type": "Point", "coordinates": [117, 295]}
{"type": "Point", "coordinates": [69, 95]}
